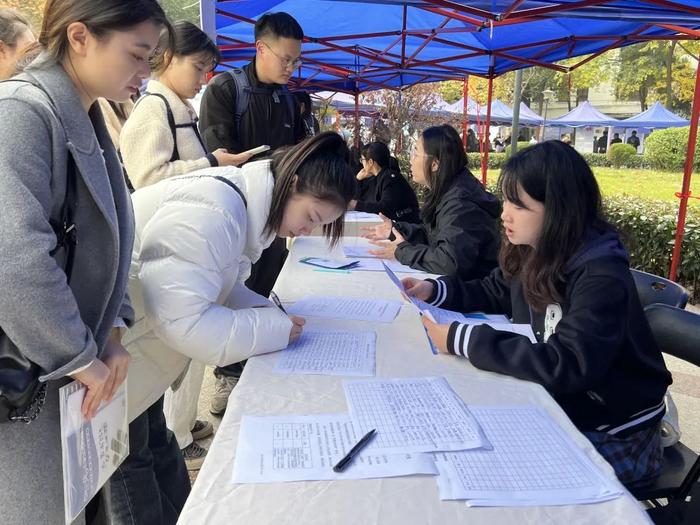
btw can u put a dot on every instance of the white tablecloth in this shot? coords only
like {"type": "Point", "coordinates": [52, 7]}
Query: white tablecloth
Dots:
{"type": "Point", "coordinates": [402, 351]}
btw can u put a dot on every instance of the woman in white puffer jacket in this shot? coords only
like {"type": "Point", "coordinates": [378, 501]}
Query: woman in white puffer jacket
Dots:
{"type": "Point", "coordinates": [196, 238]}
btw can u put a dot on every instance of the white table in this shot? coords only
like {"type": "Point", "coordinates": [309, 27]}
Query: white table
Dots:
{"type": "Point", "coordinates": [402, 351]}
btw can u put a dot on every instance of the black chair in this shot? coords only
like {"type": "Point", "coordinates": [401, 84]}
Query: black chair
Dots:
{"type": "Point", "coordinates": [677, 332]}
{"type": "Point", "coordinates": [653, 289]}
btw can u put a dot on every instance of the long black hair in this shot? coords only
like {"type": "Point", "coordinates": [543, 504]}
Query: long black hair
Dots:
{"type": "Point", "coordinates": [317, 167]}
{"type": "Point", "coordinates": [441, 143]}
{"type": "Point", "coordinates": [556, 175]}
{"type": "Point", "coordinates": [379, 153]}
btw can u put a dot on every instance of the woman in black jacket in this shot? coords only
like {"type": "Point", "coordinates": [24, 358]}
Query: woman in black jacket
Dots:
{"type": "Point", "coordinates": [459, 233]}
{"type": "Point", "coordinates": [564, 271]}
{"type": "Point", "coordinates": [382, 189]}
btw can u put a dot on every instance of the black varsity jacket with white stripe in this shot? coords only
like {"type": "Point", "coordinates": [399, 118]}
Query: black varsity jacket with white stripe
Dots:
{"type": "Point", "coordinates": [595, 352]}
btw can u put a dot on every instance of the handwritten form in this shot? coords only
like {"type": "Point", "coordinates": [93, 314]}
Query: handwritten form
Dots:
{"type": "Point", "coordinates": [533, 462]}
{"type": "Point", "coordinates": [329, 353]}
{"type": "Point", "coordinates": [413, 415]}
{"type": "Point", "coordinates": [346, 308]}
{"type": "Point", "coordinates": [304, 448]}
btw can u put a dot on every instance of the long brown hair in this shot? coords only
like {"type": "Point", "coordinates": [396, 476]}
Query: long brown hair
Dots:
{"type": "Point", "coordinates": [317, 167]}
{"type": "Point", "coordinates": [556, 175]}
{"type": "Point", "coordinates": [100, 16]}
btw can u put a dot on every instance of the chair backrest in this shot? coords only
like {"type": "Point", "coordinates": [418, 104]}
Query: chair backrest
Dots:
{"type": "Point", "coordinates": [654, 289]}
{"type": "Point", "coordinates": [676, 331]}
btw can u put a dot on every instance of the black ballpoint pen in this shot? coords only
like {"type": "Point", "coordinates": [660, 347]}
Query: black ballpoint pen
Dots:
{"type": "Point", "coordinates": [354, 451]}
{"type": "Point", "coordinates": [277, 301]}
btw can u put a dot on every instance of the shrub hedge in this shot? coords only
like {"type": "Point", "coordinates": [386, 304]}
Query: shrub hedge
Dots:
{"type": "Point", "coordinates": [621, 154]}
{"type": "Point", "coordinates": [665, 149]}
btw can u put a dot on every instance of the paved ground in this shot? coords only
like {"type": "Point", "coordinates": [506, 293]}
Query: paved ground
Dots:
{"type": "Point", "coordinates": [685, 391]}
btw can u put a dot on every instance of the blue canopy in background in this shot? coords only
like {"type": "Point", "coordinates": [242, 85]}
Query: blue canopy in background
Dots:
{"type": "Point", "coordinates": [657, 116]}
{"type": "Point", "coordinates": [356, 46]}
{"type": "Point", "coordinates": [583, 115]}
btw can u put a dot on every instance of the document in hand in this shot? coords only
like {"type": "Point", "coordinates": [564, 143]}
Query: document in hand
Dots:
{"type": "Point", "coordinates": [92, 450]}
{"type": "Point", "coordinates": [350, 308]}
{"type": "Point", "coordinates": [329, 352]}
{"type": "Point", "coordinates": [412, 415]}
{"type": "Point", "coordinates": [533, 462]}
{"type": "Point", "coordinates": [305, 448]}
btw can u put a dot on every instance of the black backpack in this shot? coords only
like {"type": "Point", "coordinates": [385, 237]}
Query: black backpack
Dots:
{"type": "Point", "coordinates": [243, 92]}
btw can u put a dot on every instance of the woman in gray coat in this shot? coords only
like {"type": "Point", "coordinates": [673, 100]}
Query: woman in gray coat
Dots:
{"type": "Point", "coordinates": [93, 48]}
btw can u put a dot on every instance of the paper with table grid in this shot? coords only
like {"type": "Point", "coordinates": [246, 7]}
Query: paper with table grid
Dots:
{"type": "Point", "coordinates": [333, 352]}
{"type": "Point", "coordinates": [533, 462]}
{"type": "Point", "coordinates": [412, 415]}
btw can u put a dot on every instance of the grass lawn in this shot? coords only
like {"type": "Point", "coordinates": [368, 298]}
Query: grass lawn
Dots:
{"type": "Point", "coordinates": [647, 184]}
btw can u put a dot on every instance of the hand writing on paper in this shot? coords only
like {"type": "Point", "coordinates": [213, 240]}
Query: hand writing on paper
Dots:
{"type": "Point", "coordinates": [417, 288]}
{"type": "Point", "coordinates": [437, 334]}
{"type": "Point", "coordinates": [297, 327]}
{"type": "Point", "coordinates": [117, 359]}
{"type": "Point", "coordinates": [387, 249]}
{"type": "Point", "coordinates": [380, 232]}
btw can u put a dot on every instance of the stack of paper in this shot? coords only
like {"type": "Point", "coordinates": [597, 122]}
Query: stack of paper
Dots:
{"type": "Point", "coordinates": [361, 216]}
{"type": "Point", "coordinates": [330, 353]}
{"type": "Point", "coordinates": [533, 462]}
{"type": "Point", "coordinates": [413, 415]}
{"type": "Point", "coordinates": [305, 448]}
{"type": "Point", "coordinates": [359, 250]}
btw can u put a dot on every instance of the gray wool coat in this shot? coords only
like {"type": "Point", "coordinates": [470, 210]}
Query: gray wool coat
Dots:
{"type": "Point", "coordinates": [61, 328]}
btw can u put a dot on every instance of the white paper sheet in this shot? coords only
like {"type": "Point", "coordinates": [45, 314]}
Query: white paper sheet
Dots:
{"type": "Point", "coordinates": [361, 216]}
{"type": "Point", "coordinates": [413, 415]}
{"type": "Point", "coordinates": [305, 448]}
{"type": "Point", "coordinates": [92, 450]}
{"type": "Point", "coordinates": [375, 265]}
{"type": "Point", "coordinates": [330, 353]}
{"type": "Point", "coordinates": [348, 308]}
{"type": "Point", "coordinates": [533, 462]}
{"type": "Point", "coordinates": [353, 251]}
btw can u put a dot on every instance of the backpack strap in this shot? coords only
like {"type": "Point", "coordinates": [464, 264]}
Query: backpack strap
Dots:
{"type": "Point", "coordinates": [240, 80]}
{"type": "Point", "coordinates": [220, 179]}
{"type": "Point", "coordinates": [171, 121]}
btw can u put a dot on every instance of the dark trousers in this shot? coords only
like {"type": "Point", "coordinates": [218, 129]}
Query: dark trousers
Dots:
{"type": "Point", "coordinates": [262, 279]}
{"type": "Point", "coordinates": [152, 484]}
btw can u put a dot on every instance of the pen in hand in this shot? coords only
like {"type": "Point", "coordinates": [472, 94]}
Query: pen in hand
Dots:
{"type": "Point", "coordinates": [354, 451]}
{"type": "Point", "coordinates": [277, 302]}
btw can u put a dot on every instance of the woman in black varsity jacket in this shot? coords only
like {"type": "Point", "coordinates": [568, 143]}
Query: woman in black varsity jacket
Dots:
{"type": "Point", "coordinates": [564, 270]}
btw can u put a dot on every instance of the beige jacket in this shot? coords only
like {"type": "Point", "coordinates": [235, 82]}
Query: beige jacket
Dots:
{"type": "Point", "coordinates": [146, 141]}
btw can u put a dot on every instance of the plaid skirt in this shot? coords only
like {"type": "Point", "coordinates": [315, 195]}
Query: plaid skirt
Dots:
{"type": "Point", "coordinates": [636, 458]}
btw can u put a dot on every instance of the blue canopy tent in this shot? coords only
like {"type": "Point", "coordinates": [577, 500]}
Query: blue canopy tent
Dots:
{"type": "Point", "coordinates": [527, 113]}
{"type": "Point", "coordinates": [404, 42]}
{"type": "Point", "coordinates": [585, 114]}
{"type": "Point", "coordinates": [657, 116]}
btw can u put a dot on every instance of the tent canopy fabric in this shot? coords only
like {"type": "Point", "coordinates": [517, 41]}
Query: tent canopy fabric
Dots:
{"type": "Point", "coordinates": [585, 114]}
{"type": "Point", "coordinates": [356, 46]}
{"type": "Point", "coordinates": [657, 116]}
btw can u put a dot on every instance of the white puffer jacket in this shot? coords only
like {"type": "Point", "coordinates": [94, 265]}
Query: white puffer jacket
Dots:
{"type": "Point", "coordinates": [195, 240]}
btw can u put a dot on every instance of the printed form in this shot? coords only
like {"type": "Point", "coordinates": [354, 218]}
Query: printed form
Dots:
{"type": "Point", "coordinates": [305, 448]}
{"type": "Point", "coordinates": [533, 462]}
{"type": "Point", "coordinates": [346, 308]}
{"type": "Point", "coordinates": [413, 415]}
{"type": "Point", "coordinates": [329, 353]}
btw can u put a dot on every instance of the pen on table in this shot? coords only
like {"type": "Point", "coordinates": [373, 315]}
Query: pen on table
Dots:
{"type": "Point", "coordinates": [354, 451]}
{"type": "Point", "coordinates": [277, 301]}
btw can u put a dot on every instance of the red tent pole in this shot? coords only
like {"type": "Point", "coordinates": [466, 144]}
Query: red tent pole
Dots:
{"type": "Point", "coordinates": [485, 139]}
{"type": "Point", "coordinates": [687, 173]}
{"type": "Point", "coordinates": [465, 111]}
{"type": "Point", "coordinates": [357, 119]}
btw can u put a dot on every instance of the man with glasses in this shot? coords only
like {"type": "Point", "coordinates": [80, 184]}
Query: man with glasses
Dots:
{"type": "Point", "coordinates": [268, 116]}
